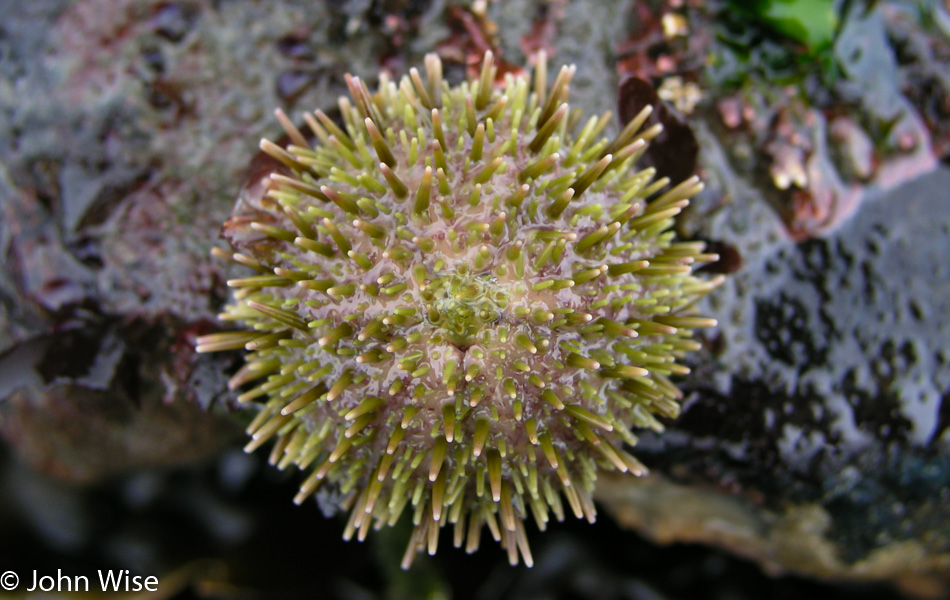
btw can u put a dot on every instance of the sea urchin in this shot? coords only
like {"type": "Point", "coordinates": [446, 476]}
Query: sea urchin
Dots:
{"type": "Point", "coordinates": [464, 301]}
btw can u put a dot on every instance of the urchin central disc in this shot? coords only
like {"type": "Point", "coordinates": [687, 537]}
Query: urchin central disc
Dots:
{"type": "Point", "coordinates": [461, 306]}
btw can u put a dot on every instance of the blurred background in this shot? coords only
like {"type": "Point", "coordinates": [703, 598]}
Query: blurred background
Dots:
{"type": "Point", "coordinates": [813, 454]}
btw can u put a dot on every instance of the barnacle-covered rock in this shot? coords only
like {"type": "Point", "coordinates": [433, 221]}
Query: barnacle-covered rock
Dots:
{"type": "Point", "coordinates": [465, 299]}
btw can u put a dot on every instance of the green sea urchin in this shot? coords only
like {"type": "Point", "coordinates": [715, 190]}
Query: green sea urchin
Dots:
{"type": "Point", "coordinates": [464, 303]}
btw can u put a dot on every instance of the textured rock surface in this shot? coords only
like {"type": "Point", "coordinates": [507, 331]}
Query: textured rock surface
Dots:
{"type": "Point", "coordinates": [822, 420]}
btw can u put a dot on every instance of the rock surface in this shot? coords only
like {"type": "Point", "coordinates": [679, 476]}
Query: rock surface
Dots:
{"type": "Point", "coordinates": [816, 438]}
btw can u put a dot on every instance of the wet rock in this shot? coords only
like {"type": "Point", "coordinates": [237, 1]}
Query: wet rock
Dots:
{"type": "Point", "coordinates": [97, 399]}
{"type": "Point", "coordinates": [173, 20]}
{"type": "Point", "coordinates": [291, 84]}
{"type": "Point", "coordinates": [82, 435]}
{"type": "Point", "coordinates": [820, 424]}
{"type": "Point", "coordinates": [673, 152]}
{"type": "Point", "coordinates": [801, 127]}
{"type": "Point", "coordinates": [117, 175]}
